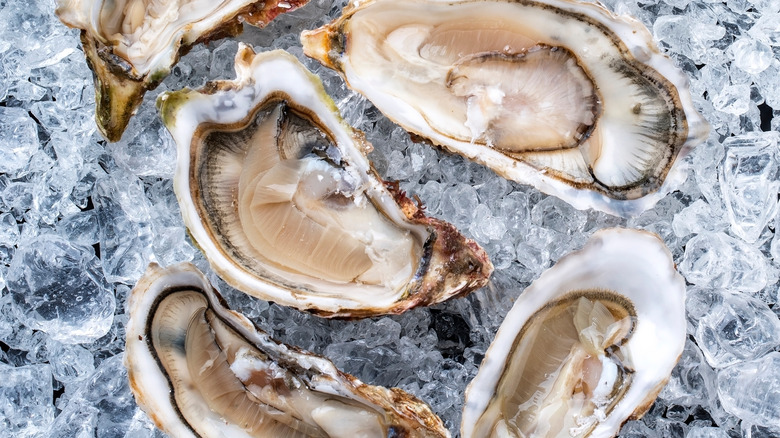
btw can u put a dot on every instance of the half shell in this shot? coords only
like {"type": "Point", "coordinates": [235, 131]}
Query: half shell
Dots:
{"type": "Point", "coordinates": [587, 346]}
{"type": "Point", "coordinates": [201, 370]}
{"type": "Point", "coordinates": [276, 190]}
{"type": "Point", "coordinates": [559, 94]}
{"type": "Point", "coordinates": [131, 45]}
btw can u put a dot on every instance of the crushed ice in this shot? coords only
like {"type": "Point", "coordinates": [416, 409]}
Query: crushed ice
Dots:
{"type": "Point", "coordinates": [80, 220]}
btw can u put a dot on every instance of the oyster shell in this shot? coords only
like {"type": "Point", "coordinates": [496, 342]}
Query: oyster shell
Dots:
{"type": "Point", "coordinates": [131, 45]}
{"type": "Point", "coordinates": [276, 190]}
{"type": "Point", "coordinates": [559, 94]}
{"type": "Point", "coordinates": [586, 346]}
{"type": "Point", "coordinates": [199, 369]}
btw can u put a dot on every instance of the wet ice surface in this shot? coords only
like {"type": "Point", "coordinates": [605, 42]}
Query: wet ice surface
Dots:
{"type": "Point", "coordinates": [80, 220]}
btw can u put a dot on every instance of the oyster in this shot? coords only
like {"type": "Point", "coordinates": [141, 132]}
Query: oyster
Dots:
{"type": "Point", "coordinates": [588, 345]}
{"type": "Point", "coordinates": [276, 190]}
{"type": "Point", "coordinates": [559, 94]}
{"type": "Point", "coordinates": [199, 369]}
{"type": "Point", "coordinates": [131, 45]}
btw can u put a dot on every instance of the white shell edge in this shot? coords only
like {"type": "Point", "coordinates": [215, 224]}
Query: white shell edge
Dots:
{"type": "Point", "coordinates": [641, 45]}
{"type": "Point", "coordinates": [266, 73]}
{"type": "Point", "coordinates": [635, 264]}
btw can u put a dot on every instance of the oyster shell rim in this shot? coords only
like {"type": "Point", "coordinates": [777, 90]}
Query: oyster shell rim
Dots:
{"type": "Point", "coordinates": [158, 283]}
{"type": "Point", "coordinates": [463, 266]}
{"type": "Point", "coordinates": [328, 43]}
{"type": "Point", "coordinates": [481, 390]}
{"type": "Point", "coordinates": [119, 91]}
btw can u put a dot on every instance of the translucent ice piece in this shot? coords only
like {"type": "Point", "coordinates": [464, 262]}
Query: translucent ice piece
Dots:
{"type": "Point", "coordinates": [697, 218]}
{"type": "Point", "coordinates": [716, 260]}
{"type": "Point", "coordinates": [767, 29]}
{"type": "Point", "coordinates": [749, 182]}
{"type": "Point", "coordinates": [57, 287]}
{"type": "Point", "coordinates": [102, 406]}
{"type": "Point", "coordinates": [70, 363]}
{"type": "Point", "coordinates": [18, 137]}
{"type": "Point", "coordinates": [751, 55]}
{"type": "Point", "coordinates": [125, 226]}
{"type": "Point", "coordinates": [707, 432]}
{"type": "Point", "coordinates": [26, 408]}
{"type": "Point", "coordinates": [737, 328]}
{"type": "Point", "coordinates": [733, 99]}
{"type": "Point", "coordinates": [751, 390]}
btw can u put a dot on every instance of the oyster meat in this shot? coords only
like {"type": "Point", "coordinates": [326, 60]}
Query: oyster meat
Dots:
{"type": "Point", "coordinates": [587, 346]}
{"type": "Point", "coordinates": [277, 191]}
{"type": "Point", "coordinates": [559, 94]}
{"type": "Point", "coordinates": [201, 370]}
{"type": "Point", "coordinates": [131, 45]}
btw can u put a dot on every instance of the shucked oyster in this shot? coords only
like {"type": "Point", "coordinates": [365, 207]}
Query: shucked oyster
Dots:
{"type": "Point", "coordinates": [199, 369]}
{"type": "Point", "coordinates": [276, 190]}
{"type": "Point", "coordinates": [587, 346]}
{"type": "Point", "coordinates": [559, 94]}
{"type": "Point", "coordinates": [131, 45]}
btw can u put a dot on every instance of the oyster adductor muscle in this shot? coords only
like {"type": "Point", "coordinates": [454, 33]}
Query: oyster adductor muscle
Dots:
{"type": "Point", "coordinates": [586, 346]}
{"type": "Point", "coordinates": [277, 191]}
{"type": "Point", "coordinates": [131, 45]}
{"type": "Point", "coordinates": [559, 94]}
{"type": "Point", "coordinates": [199, 369]}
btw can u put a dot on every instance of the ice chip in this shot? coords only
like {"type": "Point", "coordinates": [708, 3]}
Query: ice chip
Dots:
{"type": "Point", "coordinates": [459, 203]}
{"type": "Point", "coordinates": [751, 390]}
{"type": "Point", "coordinates": [70, 363]}
{"type": "Point", "coordinates": [717, 260]}
{"type": "Point", "coordinates": [707, 432]}
{"type": "Point", "coordinates": [125, 227]}
{"type": "Point", "coordinates": [146, 148]}
{"type": "Point", "coordinates": [697, 218]}
{"type": "Point", "coordinates": [18, 137]}
{"type": "Point", "coordinates": [107, 388]}
{"type": "Point", "coordinates": [767, 29]}
{"type": "Point", "coordinates": [57, 287]}
{"type": "Point", "coordinates": [733, 99]}
{"type": "Point", "coordinates": [737, 328]}
{"type": "Point", "coordinates": [80, 228]}
{"type": "Point", "coordinates": [751, 55]}
{"type": "Point", "coordinates": [749, 182]}
{"type": "Point", "coordinates": [26, 408]}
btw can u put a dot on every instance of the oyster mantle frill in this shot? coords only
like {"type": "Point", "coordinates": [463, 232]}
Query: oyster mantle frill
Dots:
{"type": "Point", "coordinates": [199, 369]}
{"type": "Point", "coordinates": [586, 346]}
{"type": "Point", "coordinates": [559, 94]}
{"type": "Point", "coordinates": [276, 190]}
{"type": "Point", "coordinates": [131, 45]}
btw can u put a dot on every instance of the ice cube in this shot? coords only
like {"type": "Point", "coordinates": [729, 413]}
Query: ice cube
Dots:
{"type": "Point", "coordinates": [58, 287]}
{"type": "Point", "coordinates": [716, 260]}
{"type": "Point", "coordinates": [737, 327]}
{"type": "Point", "coordinates": [751, 390]}
{"type": "Point", "coordinates": [26, 408]}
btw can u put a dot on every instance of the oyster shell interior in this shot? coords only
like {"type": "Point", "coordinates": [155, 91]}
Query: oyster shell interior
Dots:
{"type": "Point", "coordinates": [559, 94]}
{"type": "Point", "coordinates": [589, 344]}
{"type": "Point", "coordinates": [298, 209]}
{"type": "Point", "coordinates": [199, 369]}
{"type": "Point", "coordinates": [276, 190]}
{"type": "Point", "coordinates": [131, 45]}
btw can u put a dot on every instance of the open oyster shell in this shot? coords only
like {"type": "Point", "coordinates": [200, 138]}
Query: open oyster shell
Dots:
{"type": "Point", "coordinates": [586, 346]}
{"type": "Point", "coordinates": [276, 190]}
{"type": "Point", "coordinates": [131, 45]}
{"type": "Point", "coordinates": [558, 94]}
{"type": "Point", "coordinates": [199, 369]}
